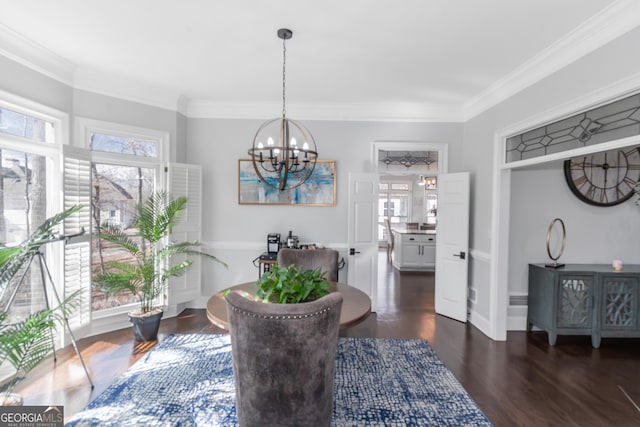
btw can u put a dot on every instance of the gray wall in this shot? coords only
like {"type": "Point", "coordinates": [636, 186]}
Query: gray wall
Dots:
{"type": "Point", "coordinates": [534, 206]}
{"type": "Point", "coordinates": [218, 144]}
{"type": "Point", "coordinates": [237, 233]}
{"type": "Point", "coordinates": [22, 81]}
{"type": "Point", "coordinates": [594, 234]}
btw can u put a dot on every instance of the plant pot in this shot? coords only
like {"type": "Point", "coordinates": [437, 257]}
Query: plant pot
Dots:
{"type": "Point", "coordinates": [11, 399]}
{"type": "Point", "coordinates": [145, 327]}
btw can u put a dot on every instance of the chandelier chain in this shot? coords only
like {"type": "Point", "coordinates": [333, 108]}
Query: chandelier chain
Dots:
{"type": "Point", "coordinates": [284, 75]}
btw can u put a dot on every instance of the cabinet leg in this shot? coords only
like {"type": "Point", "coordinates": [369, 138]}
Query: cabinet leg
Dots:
{"type": "Point", "coordinates": [595, 340]}
{"type": "Point", "coordinates": [552, 338]}
{"type": "Point", "coordinates": [529, 326]}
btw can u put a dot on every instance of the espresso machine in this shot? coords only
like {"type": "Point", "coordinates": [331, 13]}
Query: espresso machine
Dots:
{"type": "Point", "coordinates": [273, 243]}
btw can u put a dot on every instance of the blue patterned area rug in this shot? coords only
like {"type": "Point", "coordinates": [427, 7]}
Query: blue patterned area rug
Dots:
{"type": "Point", "coordinates": [187, 380]}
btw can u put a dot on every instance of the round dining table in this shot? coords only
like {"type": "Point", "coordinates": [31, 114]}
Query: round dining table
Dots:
{"type": "Point", "coordinates": [356, 305]}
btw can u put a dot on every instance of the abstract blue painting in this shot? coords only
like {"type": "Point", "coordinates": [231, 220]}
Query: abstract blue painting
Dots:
{"type": "Point", "coordinates": [318, 190]}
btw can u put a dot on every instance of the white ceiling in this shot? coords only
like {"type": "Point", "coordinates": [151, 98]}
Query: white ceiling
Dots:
{"type": "Point", "coordinates": [350, 59]}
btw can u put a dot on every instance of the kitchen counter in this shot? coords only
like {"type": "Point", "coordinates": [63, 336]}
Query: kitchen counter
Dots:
{"type": "Point", "coordinates": [414, 250]}
{"type": "Point", "coordinates": [403, 230]}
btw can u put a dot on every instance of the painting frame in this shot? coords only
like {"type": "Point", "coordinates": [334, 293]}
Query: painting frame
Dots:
{"type": "Point", "coordinates": [318, 190]}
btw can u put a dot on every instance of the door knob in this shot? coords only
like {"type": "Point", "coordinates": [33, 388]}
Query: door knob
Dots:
{"type": "Point", "coordinates": [462, 255]}
{"type": "Point", "coordinates": [352, 251]}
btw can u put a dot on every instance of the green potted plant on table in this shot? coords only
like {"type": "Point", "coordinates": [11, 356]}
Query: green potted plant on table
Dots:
{"type": "Point", "coordinates": [24, 343]}
{"type": "Point", "coordinates": [291, 285]}
{"type": "Point", "coordinates": [147, 276]}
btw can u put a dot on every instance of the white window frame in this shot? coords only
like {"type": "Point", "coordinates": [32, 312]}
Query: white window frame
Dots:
{"type": "Point", "coordinates": [108, 319]}
{"type": "Point", "coordinates": [385, 179]}
{"type": "Point", "coordinates": [53, 154]}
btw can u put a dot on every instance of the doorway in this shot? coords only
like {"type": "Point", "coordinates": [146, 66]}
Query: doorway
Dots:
{"type": "Point", "coordinates": [407, 194]}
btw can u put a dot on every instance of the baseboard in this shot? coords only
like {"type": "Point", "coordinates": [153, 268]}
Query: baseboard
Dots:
{"type": "Point", "coordinates": [199, 303]}
{"type": "Point", "coordinates": [517, 323]}
{"type": "Point", "coordinates": [104, 326]}
{"type": "Point", "coordinates": [173, 310]}
{"type": "Point", "coordinates": [113, 323]}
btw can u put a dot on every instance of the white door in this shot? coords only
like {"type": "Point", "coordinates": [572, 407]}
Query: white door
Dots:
{"type": "Point", "coordinates": [363, 234]}
{"type": "Point", "coordinates": [452, 246]}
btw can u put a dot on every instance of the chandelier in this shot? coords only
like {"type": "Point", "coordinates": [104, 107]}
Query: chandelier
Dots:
{"type": "Point", "coordinates": [283, 153]}
{"type": "Point", "coordinates": [428, 181]}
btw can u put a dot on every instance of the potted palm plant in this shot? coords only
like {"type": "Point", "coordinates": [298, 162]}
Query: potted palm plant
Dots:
{"type": "Point", "coordinates": [24, 343]}
{"type": "Point", "coordinates": [147, 276]}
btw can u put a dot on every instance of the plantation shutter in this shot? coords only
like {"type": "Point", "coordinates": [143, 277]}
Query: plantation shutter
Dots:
{"type": "Point", "coordinates": [186, 180]}
{"type": "Point", "coordinates": [77, 251]}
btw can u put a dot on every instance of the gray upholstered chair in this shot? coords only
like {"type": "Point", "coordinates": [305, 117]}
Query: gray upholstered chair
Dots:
{"type": "Point", "coordinates": [307, 259]}
{"type": "Point", "coordinates": [284, 360]}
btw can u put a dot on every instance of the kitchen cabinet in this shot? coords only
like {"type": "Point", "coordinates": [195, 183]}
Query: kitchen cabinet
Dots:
{"type": "Point", "coordinates": [584, 299]}
{"type": "Point", "coordinates": [414, 250]}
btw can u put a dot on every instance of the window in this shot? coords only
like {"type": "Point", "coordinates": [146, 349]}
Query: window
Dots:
{"type": "Point", "coordinates": [615, 120]}
{"type": "Point", "coordinates": [394, 202]}
{"type": "Point", "coordinates": [116, 190]}
{"type": "Point", "coordinates": [431, 198]}
{"type": "Point", "coordinates": [29, 141]}
{"type": "Point", "coordinates": [125, 164]}
{"type": "Point", "coordinates": [124, 145]}
{"type": "Point", "coordinates": [26, 126]}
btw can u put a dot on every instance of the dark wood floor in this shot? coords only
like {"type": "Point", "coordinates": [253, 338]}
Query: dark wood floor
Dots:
{"type": "Point", "coordinates": [520, 382]}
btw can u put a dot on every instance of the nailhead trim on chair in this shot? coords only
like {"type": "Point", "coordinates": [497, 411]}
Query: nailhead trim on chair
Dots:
{"type": "Point", "coordinates": [275, 317]}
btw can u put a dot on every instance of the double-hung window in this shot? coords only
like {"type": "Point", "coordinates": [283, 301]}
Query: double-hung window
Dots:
{"type": "Point", "coordinates": [113, 168]}
{"type": "Point", "coordinates": [394, 202]}
{"type": "Point", "coordinates": [108, 168]}
{"type": "Point", "coordinates": [30, 139]}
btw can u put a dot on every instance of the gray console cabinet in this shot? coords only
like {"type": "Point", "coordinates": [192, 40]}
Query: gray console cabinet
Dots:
{"type": "Point", "coordinates": [584, 299]}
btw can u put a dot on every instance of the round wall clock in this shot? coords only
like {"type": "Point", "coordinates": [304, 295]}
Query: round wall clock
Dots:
{"type": "Point", "coordinates": [606, 178]}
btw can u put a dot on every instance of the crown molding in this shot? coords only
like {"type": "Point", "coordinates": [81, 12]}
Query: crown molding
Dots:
{"type": "Point", "coordinates": [34, 56]}
{"type": "Point", "coordinates": [399, 112]}
{"type": "Point", "coordinates": [183, 104]}
{"type": "Point", "coordinates": [617, 19]}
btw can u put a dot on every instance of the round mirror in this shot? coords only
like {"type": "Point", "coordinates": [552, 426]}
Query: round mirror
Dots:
{"type": "Point", "coordinates": [556, 237]}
